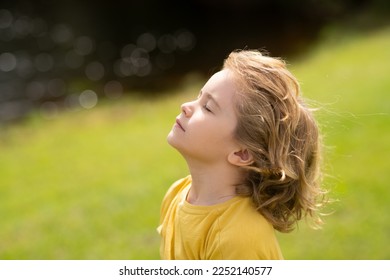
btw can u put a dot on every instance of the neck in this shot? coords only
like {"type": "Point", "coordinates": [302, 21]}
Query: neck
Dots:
{"type": "Point", "coordinates": [212, 183]}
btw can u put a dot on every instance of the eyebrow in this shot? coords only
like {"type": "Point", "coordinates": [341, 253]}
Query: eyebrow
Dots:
{"type": "Point", "coordinates": [210, 97]}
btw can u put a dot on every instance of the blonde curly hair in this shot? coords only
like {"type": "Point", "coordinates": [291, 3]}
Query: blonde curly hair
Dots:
{"type": "Point", "coordinates": [281, 134]}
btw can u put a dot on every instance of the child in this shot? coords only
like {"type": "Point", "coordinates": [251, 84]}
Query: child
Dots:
{"type": "Point", "coordinates": [253, 150]}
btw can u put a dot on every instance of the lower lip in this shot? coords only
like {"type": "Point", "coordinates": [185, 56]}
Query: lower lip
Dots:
{"type": "Point", "coordinates": [178, 126]}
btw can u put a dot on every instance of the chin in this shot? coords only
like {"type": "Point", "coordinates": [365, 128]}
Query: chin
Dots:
{"type": "Point", "coordinates": [171, 139]}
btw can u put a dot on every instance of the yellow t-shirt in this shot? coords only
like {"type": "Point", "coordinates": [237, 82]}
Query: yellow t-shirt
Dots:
{"type": "Point", "coordinates": [231, 230]}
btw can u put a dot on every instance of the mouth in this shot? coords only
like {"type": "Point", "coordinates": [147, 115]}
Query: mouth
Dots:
{"type": "Point", "coordinates": [179, 125]}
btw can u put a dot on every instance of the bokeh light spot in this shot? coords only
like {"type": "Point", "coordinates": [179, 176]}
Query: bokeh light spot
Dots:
{"type": "Point", "coordinates": [166, 43]}
{"type": "Point", "coordinates": [144, 70]}
{"type": "Point", "coordinates": [61, 33]}
{"type": "Point", "coordinates": [7, 62]}
{"type": "Point", "coordinates": [123, 68]}
{"type": "Point", "coordinates": [49, 110]}
{"type": "Point", "coordinates": [185, 40]}
{"type": "Point", "coordinates": [6, 18]}
{"type": "Point", "coordinates": [94, 71]}
{"type": "Point", "coordinates": [24, 67]}
{"type": "Point", "coordinates": [128, 50]}
{"type": "Point", "coordinates": [88, 99]}
{"type": "Point", "coordinates": [43, 62]}
{"type": "Point", "coordinates": [22, 27]}
{"type": "Point", "coordinates": [72, 102]}
{"type": "Point", "coordinates": [147, 41]}
{"type": "Point", "coordinates": [84, 45]}
{"type": "Point", "coordinates": [113, 89]}
{"type": "Point", "coordinates": [139, 57]}
{"type": "Point", "coordinates": [35, 90]}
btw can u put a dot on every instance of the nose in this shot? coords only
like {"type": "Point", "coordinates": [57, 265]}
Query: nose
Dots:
{"type": "Point", "coordinates": [187, 109]}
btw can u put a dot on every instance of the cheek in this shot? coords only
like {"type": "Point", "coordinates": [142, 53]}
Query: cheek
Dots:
{"type": "Point", "coordinates": [205, 129]}
{"type": "Point", "coordinates": [214, 128]}
{"type": "Point", "coordinates": [219, 134]}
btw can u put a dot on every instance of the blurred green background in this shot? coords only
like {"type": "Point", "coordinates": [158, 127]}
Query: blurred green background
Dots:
{"type": "Point", "coordinates": [83, 172]}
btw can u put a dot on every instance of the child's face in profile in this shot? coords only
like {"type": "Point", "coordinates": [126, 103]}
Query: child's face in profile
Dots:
{"type": "Point", "coordinates": [205, 128]}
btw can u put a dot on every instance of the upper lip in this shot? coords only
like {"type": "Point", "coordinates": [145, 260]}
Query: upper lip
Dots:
{"type": "Point", "coordinates": [179, 124]}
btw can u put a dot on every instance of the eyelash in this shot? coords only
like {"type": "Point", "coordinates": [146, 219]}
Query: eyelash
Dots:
{"type": "Point", "coordinates": [207, 108]}
{"type": "Point", "coordinates": [204, 106]}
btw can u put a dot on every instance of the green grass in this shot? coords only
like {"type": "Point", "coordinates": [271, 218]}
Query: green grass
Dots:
{"type": "Point", "coordinates": [350, 80]}
{"type": "Point", "coordinates": [88, 184]}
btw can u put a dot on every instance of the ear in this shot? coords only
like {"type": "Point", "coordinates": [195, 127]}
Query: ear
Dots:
{"type": "Point", "coordinates": [240, 157]}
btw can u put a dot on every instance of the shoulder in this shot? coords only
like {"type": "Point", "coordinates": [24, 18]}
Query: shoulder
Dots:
{"type": "Point", "coordinates": [243, 215]}
{"type": "Point", "coordinates": [178, 186]}
{"type": "Point", "coordinates": [174, 190]}
{"type": "Point", "coordinates": [245, 234]}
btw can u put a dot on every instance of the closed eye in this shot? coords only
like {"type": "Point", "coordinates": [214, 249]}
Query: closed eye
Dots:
{"type": "Point", "coordinates": [207, 108]}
